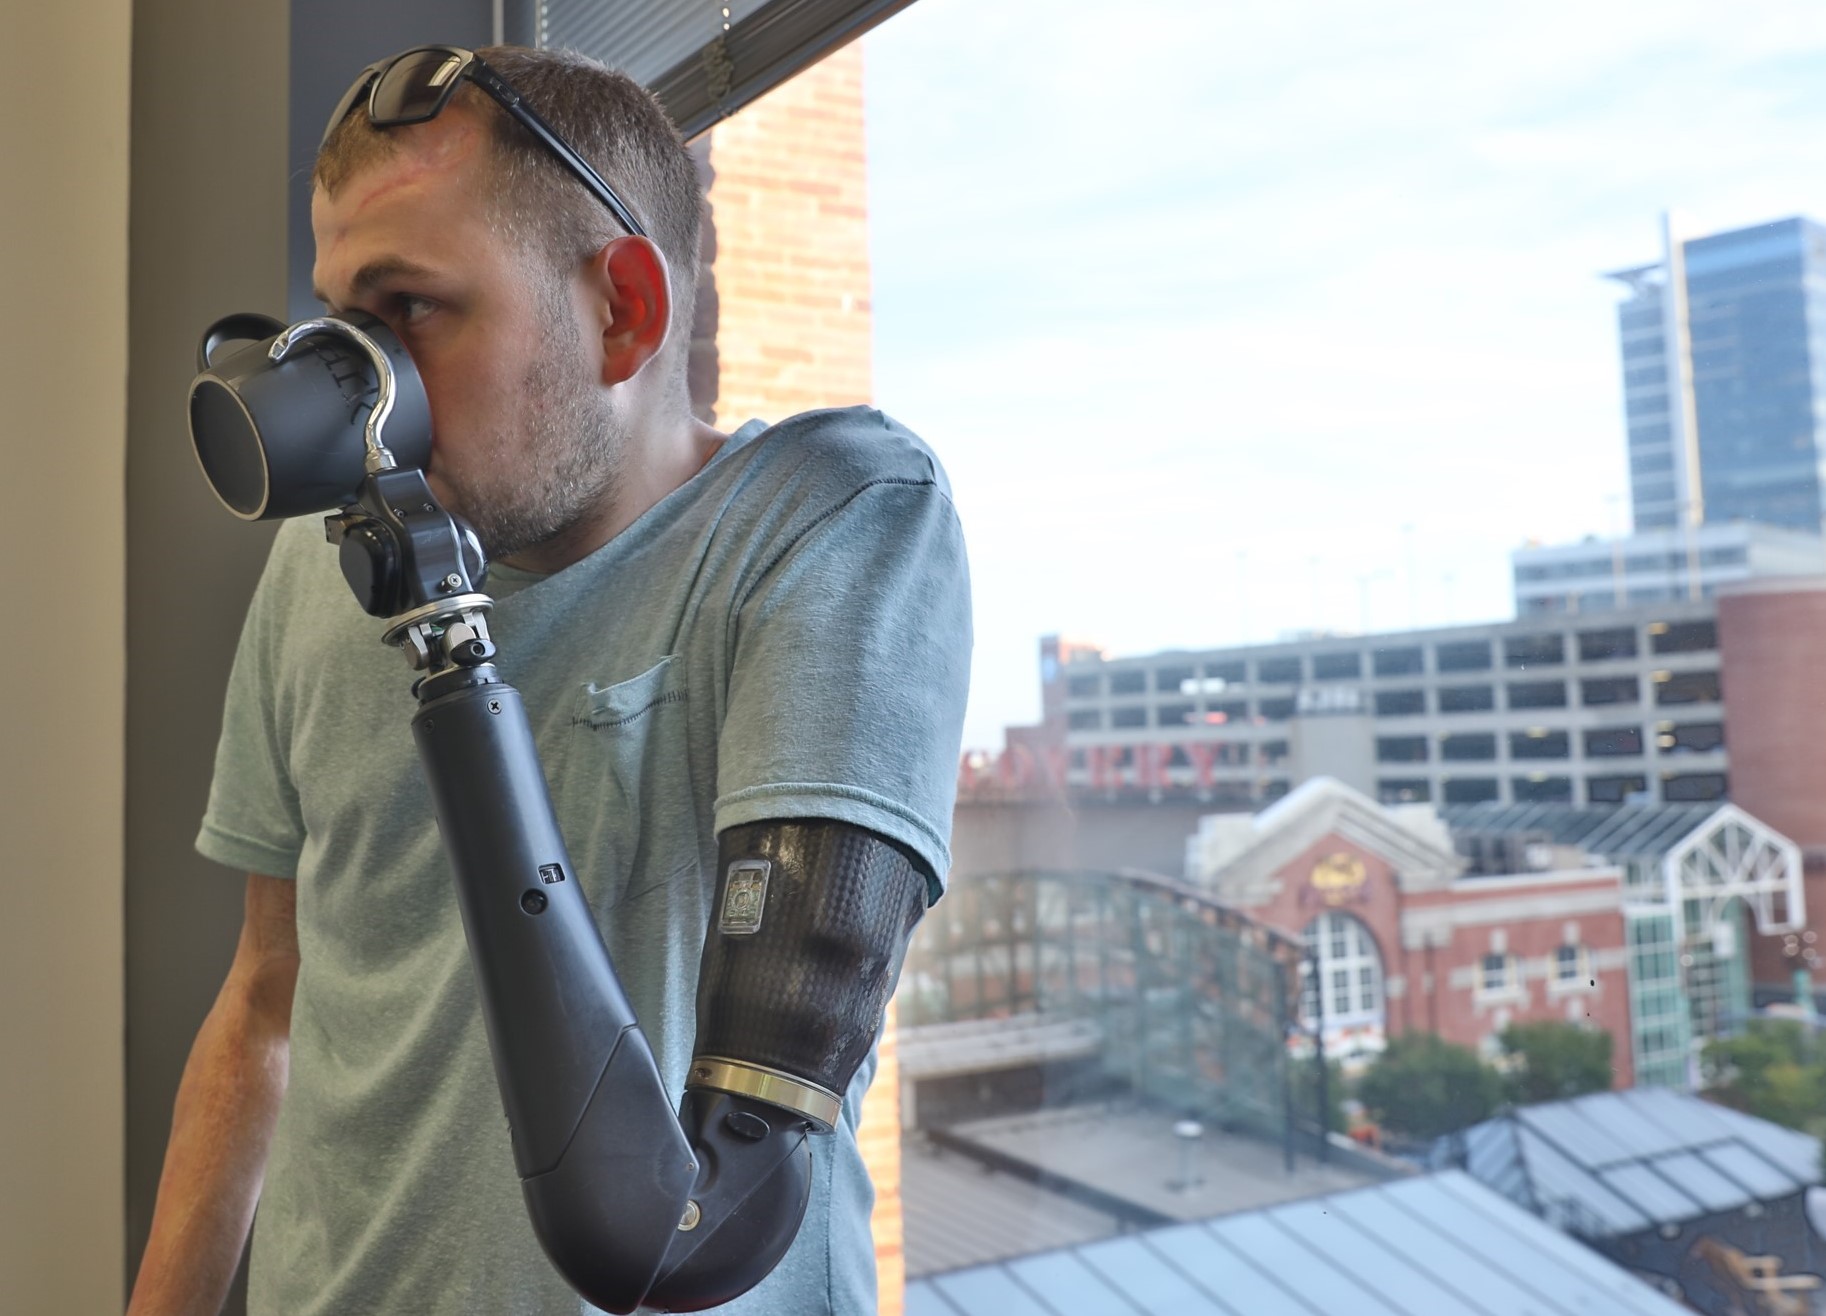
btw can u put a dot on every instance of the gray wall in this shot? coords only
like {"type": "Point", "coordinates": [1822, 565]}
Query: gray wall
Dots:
{"type": "Point", "coordinates": [208, 236]}
{"type": "Point", "coordinates": [217, 86]}
{"type": "Point", "coordinates": [63, 373]}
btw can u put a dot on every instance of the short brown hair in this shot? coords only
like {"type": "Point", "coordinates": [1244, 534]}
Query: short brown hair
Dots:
{"type": "Point", "coordinates": [609, 119]}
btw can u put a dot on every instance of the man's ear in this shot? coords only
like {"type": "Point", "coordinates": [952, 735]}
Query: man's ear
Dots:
{"type": "Point", "coordinates": [633, 303]}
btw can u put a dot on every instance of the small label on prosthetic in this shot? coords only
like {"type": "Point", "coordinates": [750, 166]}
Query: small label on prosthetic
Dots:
{"type": "Point", "coordinates": [744, 898]}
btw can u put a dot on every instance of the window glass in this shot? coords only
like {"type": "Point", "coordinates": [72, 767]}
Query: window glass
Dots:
{"type": "Point", "coordinates": [1598, 690]}
{"type": "Point", "coordinates": [1128, 683]}
{"type": "Point", "coordinates": [1466, 698]}
{"type": "Point", "coordinates": [1534, 650]}
{"type": "Point", "coordinates": [1463, 656]}
{"type": "Point", "coordinates": [1613, 742]}
{"type": "Point", "coordinates": [1612, 642]}
{"type": "Point", "coordinates": [1683, 636]}
{"type": "Point", "coordinates": [1278, 671]}
{"type": "Point", "coordinates": [1398, 660]}
{"type": "Point", "coordinates": [1352, 536]}
{"type": "Point", "coordinates": [1537, 694]}
{"type": "Point", "coordinates": [1336, 666]}
{"type": "Point", "coordinates": [1400, 703]}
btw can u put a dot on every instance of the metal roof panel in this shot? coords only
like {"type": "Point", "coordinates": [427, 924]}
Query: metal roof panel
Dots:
{"type": "Point", "coordinates": [1701, 1181]}
{"type": "Point", "coordinates": [1305, 1271]}
{"type": "Point", "coordinates": [1662, 1201]}
{"type": "Point", "coordinates": [1219, 1268]}
{"type": "Point", "coordinates": [1325, 1227]}
{"type": "Point", "coordinates": [1602, 1286]}
{"type": "Point", "coordinates": [1065, 1284]}
{"type": "Point", "coordinates": [1147, 1279]}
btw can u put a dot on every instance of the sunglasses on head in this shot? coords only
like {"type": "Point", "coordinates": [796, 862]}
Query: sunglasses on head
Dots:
{"type": "Point", "coordinates": [415, 85]}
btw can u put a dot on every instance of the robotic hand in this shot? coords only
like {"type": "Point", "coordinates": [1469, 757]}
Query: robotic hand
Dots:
{"type": "Point", "coordinates": [633, 1202]}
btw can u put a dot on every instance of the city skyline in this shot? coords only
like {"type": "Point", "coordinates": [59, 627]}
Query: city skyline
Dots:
{"type": "Point", "coordinates": [1291, 329]}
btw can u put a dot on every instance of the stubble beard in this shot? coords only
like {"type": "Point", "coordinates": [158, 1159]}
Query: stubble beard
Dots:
{"type": "Point", "coordinates": [568, 458]}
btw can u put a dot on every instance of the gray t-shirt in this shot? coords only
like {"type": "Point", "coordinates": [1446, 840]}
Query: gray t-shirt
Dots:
{"type": "Point", "coordinates": [785, 636]}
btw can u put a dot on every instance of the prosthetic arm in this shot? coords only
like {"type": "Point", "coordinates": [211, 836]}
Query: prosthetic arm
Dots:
{"type": "Point", "coordinates": [634, 1203]}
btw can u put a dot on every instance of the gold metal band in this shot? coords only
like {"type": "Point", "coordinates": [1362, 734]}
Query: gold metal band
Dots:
{"type": "Point", "coordinates": [776, 1088]}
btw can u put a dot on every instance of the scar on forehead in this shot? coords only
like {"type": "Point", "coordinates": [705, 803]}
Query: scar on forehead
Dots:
{"type": "Point", "coordinates": [435, 147]}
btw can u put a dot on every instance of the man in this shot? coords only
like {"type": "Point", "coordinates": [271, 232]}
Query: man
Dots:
{"type": "Point", "coordinates": [710, 631]}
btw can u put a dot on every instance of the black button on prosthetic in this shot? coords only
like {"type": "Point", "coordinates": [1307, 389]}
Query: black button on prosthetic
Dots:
{"type": "Point", "coordinates": [805, 991]}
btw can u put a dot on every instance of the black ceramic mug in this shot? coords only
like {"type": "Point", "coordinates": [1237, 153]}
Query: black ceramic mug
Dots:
{"type": "Point", "coordinates": [286, 420]}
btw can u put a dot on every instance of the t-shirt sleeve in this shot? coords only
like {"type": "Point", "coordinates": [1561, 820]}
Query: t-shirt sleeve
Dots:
{"type": "Point", "coordinates": [851, 668]}
{"type": "Point", "coordinates": [253, 821]}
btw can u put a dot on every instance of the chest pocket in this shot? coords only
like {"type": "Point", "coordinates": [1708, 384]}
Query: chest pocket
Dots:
{"type": "Point", "coordinates": [623, 786]}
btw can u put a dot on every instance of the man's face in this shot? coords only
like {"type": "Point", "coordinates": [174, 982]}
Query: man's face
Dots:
{"type": "Point", "coordinates": [524, 437]}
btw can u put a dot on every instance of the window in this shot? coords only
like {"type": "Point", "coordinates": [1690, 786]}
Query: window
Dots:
{"type": "Point", "coordinates": [1129, 717]}
{"type": "Point", "coordinates": [1231, 710]}
{"type": "Point", "coordinates": [1499, 976]}
{"type": "Point", "coordinates": [1470, 790]}
{"type": "Point", "coordinates": [1273, 752]}
{"type": "Point", "coordinates": [1128, 683]}
{"type": "Point", "coordinates": [1537, 694]}
{"type": "Point", "coordinates": [1690, 737]}
{"type": "Point", "coordinates": [1613, 742]}
{"type": "Point", "coordinates": [1172, 680]}
{"type": "Point", "coordinates": [1469, 747]}
{"type": "Point", "coordinates": [1463, 656]}
{"type": "Point", "coordinates": [1614, 790]}
{"type": "Point", "coordinates": [1350, 966]}
{"type": "Point", "coordinates": [1466, 698]}
{"type": "Point", "coordinates": [1609, 690]}
{"type": "Point", "coordinates": [1403, 661]}
{"type": "Point", "coordinates": [1403, 790]}
{"type": "Point", "coordinates": [1275, 710]}
{"type": "Point", "coordinates": [1231, 670]}
{"type": "Point", "coordinates": [1086, 719]}
{"type": "Point", "coordinates": [1278, 671]}
{"type": "Point", "coordinates": [1084, 687]}
{"type": "Point", "coordinates": [1598, 646]}
{"type": "Point", "coordinates": [1687, 688]}
{"type": "Point", "coordinates": [1542, 790]}
{"type": "Point", "coordinates": [1683, 636]}
{"type": "Point", "coordinates": [1534, 650]}
{"type": "Point", "coordinates": [1692, 787]}
{"type": "Point", "coordinates": [1539, 744]}
{"type": "Point", "coordinates": [1336, 666]}
{"type": "Point", "coordinates": [1400, 703]}
{"type": "Point", "coordinates": [1175, 715]}
{"type": "Point", "coordinates": [1401, 749]}
{"type": "Point", "coordinates": [1569, 968]}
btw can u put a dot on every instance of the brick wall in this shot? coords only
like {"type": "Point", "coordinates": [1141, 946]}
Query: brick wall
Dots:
{"type": "Point", "coordinates": [782, 327]}
{"type": "Point", "coordinates": [791, 273]}
{"type": "Point", "coordinates": [1770, 636]}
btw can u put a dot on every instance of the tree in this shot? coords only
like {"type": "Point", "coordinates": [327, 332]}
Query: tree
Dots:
{"type": "Point", "coordinates": [1423, 1086]}
{"type": "Point", "coordinates": [1551, 1061]}
{"type": "Point", "coordinates": [1775, 1069]}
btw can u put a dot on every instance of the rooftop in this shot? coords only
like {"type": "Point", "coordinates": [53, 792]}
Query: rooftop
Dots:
{"type": "Point", "coordinates": [1442, 1243]}
{"type": "Point", "coordinates": [1616, 1163]}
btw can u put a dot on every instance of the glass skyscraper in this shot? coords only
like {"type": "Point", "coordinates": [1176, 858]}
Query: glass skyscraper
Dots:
{"type": "Point", "coordinates": [1724, 377]}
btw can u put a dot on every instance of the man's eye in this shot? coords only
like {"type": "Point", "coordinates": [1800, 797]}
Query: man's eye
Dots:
{"type": "Point", "coordinates": [412, 309]}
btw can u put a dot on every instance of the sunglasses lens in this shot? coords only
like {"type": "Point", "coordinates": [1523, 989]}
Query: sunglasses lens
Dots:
{"type": "Point", "coordinates": [356, 91]}
{"type": "Point", "coordinates": [416, 86]}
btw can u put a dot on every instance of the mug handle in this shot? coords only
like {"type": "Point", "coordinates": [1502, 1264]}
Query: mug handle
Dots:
{"type": "Point", "coordinates": [241, 327]}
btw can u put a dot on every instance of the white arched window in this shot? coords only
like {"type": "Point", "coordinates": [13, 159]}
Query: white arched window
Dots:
{"type": "Point", "coordinates": [1350, 973]}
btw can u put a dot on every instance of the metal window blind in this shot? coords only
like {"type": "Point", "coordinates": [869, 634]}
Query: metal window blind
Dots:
{"type": "Point", "coordinates": [680, 48]}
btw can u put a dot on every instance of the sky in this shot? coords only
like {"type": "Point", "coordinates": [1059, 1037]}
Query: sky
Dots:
{"type": "Point", "coordinates": [1232, 320]}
